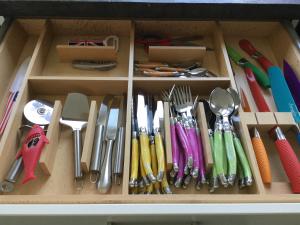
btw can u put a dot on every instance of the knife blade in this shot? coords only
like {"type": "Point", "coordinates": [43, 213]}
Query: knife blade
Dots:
{"type": "Point", "coordinates": [99, 138]}
{"type": "Point", "coordinates": [104, 183]}
{"type": "Point", "coordinates": [292, 81]}
{"type": "Point", "coordinates": [160, 152]}
{"type": "Point", "coordinates": [144, 139]}
{"type": "Point", "coordinates": [261, 77]}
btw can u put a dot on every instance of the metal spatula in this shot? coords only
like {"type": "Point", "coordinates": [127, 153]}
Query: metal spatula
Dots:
{"type": "Point", "coordinates": [75, 115]}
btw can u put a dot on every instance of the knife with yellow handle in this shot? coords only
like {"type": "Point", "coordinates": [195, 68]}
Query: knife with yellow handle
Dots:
{"type": "Point", "coordinates": [154, 164]}
{"type": "Point", "coordinates": [144, 139]}
{"type": "Point", "coordinates": [160, 152]}
{"type": "Point", "coordinates": [134, 152]}
{"type": "Point", "coordinates": [165, 185]}
{"type": "Point", "coordinates": [143, 173]}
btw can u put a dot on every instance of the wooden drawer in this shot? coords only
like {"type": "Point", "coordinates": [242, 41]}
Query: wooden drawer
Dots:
{"type": "Point", "coordinates": [49, 78]}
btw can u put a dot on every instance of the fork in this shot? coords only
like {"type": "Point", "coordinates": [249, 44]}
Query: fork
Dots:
{"type": "Point", "coordinates": [184, 104]}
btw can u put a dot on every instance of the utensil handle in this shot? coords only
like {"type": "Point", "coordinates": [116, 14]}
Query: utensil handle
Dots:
{"type": "Point", "coordinates": [160, 153]}
{"type": "Point", "coordinates": [118, 152]}
{"type": "Point", "coordinates": [281, 93]}
{"type": "Point", "coordinates": [290, 163]}
{"type": "Point", "coordinates": [231, 156]}
{"type": "Point", "coordinates": [242, 158]}
{"type": "Point", "coordinates": [261, 76]}
{"type": "Point", "coordinates": [262, 160]}
{"type": "Point", "coordinates": [143, 173]}
{"type": "Point", "coordinates": [201, 155]}
{"type": "Point", "coordinates": [146, 157]}
{"type": "Point", "coordinates": [31, 151]}
{"type": "Point", "coordinates": [154, 165]}
{"type": "Point", "coordinates": [160, 73]}
{"type": "Point", "coordinates": [182, 136]}
{"type": "Point", "coordinates": [218, 152]}
{"type": "Point", "coordinates": [97, 149]}
{"type": "Point", "coordinates": [251, 50]}
{"type": "Point", "coordinates": [104, 182]}
{"type": "Point", "coordinates": [134, 161]}
{"type": "Point", "coordinates": [175, 148]}
{"type": "Point", "coordinates": [77, 153]}
{"type": "Point", "coordinates": [192, 137]}
{"type": "Point", "coordinates": [256, 92]}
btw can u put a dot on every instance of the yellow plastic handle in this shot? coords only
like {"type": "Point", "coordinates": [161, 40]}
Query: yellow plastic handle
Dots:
{"type": "Point", "coordinates": [146, 157]}
{"type": "Point", "coordinates": [134, 159]}
{"type": "Point", "coordinates": [154, 165]}
{"type": "Point", "coordinates": [160, 153]}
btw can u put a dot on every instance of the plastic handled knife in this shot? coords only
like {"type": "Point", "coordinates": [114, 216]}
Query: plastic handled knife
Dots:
{"type": "Point", "coordinates": [289, 159]}
{"type": "Point", "coordinates": [261, 77]}
{"type": "Point", "coordinates": [142, 119]}
{"type": "Point", "coordinates": [99, 137]}
{"type": "Point", "coordinates": [104, 183]}
{"type": "Point", "coordinates": [292, 81]}
{"type": "Point", "coordinates": [13, 93]}
{"type": "Point", "coordinates": [280, 90]}
{"type": "Point", "coordinates": [159, 146]}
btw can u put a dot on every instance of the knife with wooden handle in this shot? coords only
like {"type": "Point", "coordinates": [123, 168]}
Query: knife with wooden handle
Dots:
{"type": "Point", "coordinates": [261, 157]}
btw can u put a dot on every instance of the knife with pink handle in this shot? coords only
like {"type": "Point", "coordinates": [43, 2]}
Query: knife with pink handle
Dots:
{"type": "Point", "coordinates": [174, 142]}
{"type": "Point", "coordinates": [201, 157]}
{"type": "Point", "coordinates": [13, 93]}
{"type": "Point", "coordinates": [180, 174]}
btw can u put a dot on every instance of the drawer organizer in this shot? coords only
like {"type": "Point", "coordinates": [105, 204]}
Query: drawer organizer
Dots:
{"type": "Point", "coordinates": [50, 76]}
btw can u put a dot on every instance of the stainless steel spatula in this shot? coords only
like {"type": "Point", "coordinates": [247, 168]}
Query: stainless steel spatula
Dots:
{"type": "Point", "coordinates": [75, 115]}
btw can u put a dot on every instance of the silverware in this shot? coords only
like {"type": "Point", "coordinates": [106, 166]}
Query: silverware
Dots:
{"type": "Point", "coordinates": [104, 182]}
{"type": "Point", "coordinates": [118, 152]}
{"type": "Point", "coordinates": [76, 117]}
{"type": "Point", "coordinates": [99, 138]}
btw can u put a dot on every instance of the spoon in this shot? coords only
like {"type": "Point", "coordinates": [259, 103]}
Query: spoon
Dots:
{"type": "Point", "coordinates": [222, 105]}
{"type": "Point", "coordinates": [237, 143]}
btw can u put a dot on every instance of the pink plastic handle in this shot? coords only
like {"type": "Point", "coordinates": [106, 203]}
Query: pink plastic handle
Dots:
{"type": "Point", "coordinates": [175, 148]}
{"type": "Point", "coordinates": [202, 171]}
{"type": "Point", "coordinates": [31, 151]}
{"type": "Point", "coordinates": [191, 133]}
{"type": "Point", "coordinates": [183, 139]}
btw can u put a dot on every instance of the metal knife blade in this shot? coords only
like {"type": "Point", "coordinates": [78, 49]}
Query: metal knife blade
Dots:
{"type": "Point", "coordinates": [113, 120]}
{"type": "Point", "coordinates": [103, 111]}
{"type": "Point", "coordinates": [158, 116]}
{"type": "Point", "coordinates": [142, 116]}
{"type": "Point", "coordinates": [150, 107]}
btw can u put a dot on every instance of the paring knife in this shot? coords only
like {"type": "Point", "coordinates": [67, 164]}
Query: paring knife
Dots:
{"type": "Point", "coordinates": [292, 81]}
{"type": "Point", "coordinates": [261, 157]}
{"type": "Point", "coordinates": [144, 139]}
{"type": "Point", "coordinates": [104, 182]}
{"type": "Point", "coordinates": [260, 76]}
{"type": "Point", "coordinates": [13, 93]}
{"type": "Point", "coordinates": [99, 138]}
{"type": "Point", "coordinates": [288, 158]}
{"type": "Point", "coordinates": [280, 90]}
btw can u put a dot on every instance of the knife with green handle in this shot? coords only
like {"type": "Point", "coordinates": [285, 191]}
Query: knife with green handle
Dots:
{"type": "Point", "coordinates": [261, 77]}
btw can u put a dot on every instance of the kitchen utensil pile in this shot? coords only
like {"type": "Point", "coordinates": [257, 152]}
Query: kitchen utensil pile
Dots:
{"type": "Point", "coordinates": [158, 69]}
{"type": "Point", "coordinates": [148, 165]}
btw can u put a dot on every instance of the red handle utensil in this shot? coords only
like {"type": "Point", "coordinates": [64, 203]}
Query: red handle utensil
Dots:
{"type": "Point", "coordinates": [288, 159]}
{"type": "Point", "coordinates": [256, 91]}
{"type": "Point", "coordinates": [252, 51]}
{"type": "Point", "coordinates": [31, 151]}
